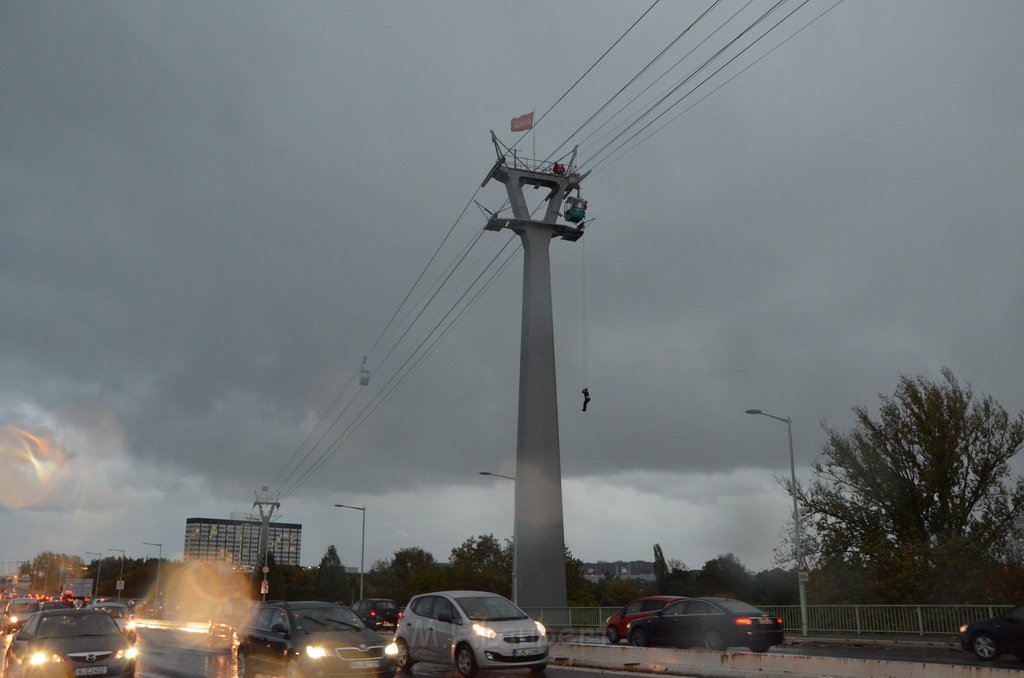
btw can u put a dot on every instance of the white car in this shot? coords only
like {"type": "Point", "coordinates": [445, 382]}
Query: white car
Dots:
{"type": "Point", "coordinates": [122, 616]}
{"type": "Point", "coordinates": [470, 630]}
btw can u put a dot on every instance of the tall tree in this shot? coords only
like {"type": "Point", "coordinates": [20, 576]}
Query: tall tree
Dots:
{"type": "Point", "coordinates": [919, 499]}
{"type": "Point", "coordinates": [482, 563]}
{"type": "Point", "coordinates": [330, 581]}
{"type": "Point", "coordinates": [660, 569]}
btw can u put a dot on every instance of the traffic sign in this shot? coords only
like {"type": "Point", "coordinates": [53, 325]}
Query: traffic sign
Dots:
{"type": "Point", "coordinates": [264, 587]}
{"type": "Point", "coordinates": [120, 585]}
{"type": "Point", "coordinates": [265, 569]}
{"type": "Point", "coordinates": [802, 567]}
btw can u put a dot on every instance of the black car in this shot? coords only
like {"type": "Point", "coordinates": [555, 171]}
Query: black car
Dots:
{"type": "Point", "coordinates": [713, 623]}
{"type": "Point", "coordinates": [311, 639]}
{"type": "Point", "coordinates": [377, 612]}
{"type": "Point", "coordinates": [70, 643]}
{"type": "Point", "coordinates": [989, 638]}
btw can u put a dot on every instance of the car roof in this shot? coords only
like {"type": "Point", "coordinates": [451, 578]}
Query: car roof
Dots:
{"type": "Point", "coordinates": [461, 594]}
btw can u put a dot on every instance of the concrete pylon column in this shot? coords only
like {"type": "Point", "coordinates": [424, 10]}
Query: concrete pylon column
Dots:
{"type": "Point", "coordinates": [539, 529]}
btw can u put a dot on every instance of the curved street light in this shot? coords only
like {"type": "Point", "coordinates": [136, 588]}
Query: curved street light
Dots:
{"type": "Point", "coordinates": [796, 519]}
{"type": "Point", "coordinates": [362, 545]}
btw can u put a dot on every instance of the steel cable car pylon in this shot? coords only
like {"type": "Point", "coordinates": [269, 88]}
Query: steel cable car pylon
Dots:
{"type": "Point", "coordinates": [539, 527]}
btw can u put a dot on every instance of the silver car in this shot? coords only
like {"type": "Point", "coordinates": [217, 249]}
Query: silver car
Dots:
{"type": "Point", "coordinates": [470, 630]}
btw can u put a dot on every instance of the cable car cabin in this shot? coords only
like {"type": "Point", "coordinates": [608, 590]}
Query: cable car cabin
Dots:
{"type": "Point", "coordinates": [575, 209]}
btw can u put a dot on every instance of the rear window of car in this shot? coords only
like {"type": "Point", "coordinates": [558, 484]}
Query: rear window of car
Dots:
{"type": "Point", "coordinates": [115, 611]}
{"type": "Point", "coordinates": [23, 607]}
{"type": "Point", "coordinates": [386, 605]}
{"type": "Point", "coordinates": [737, 606]}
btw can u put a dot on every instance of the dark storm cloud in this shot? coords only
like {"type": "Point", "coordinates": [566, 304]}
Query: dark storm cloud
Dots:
{"type": "Point", "coordinates": [210, 212]}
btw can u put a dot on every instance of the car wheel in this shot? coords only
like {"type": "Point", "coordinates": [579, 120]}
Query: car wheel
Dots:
{"type": "Point", "coordinates": [404, 657]}
{"type": "Point", "coordinates": [465, 661]}
{"type": "Point", "coordinates": [613, 634]}
{"type": "Point", "coordinates": [984, 647]}
{"type": "Point", "coordinates": [638, 637]}
{"type": "Point", "coordinates": [242, 664]}
{"type": "Point", "coordinates": [713, 640]}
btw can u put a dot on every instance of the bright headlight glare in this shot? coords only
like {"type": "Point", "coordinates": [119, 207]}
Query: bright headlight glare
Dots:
{"type": "Point", "coordinates": [963, 629]}
{"type": "Point", "coordinates": [315, 651]}
{"type": "Point", "coordinates": [484, 631]}
{"type": "Point", "coordinates": [540, 628]}
{"type": "Point", "coordinates": [38, 658]}
{"type": "Point", "coordinates": [391, 650]}
{"type": "Point", "coordinates": [130, 626]}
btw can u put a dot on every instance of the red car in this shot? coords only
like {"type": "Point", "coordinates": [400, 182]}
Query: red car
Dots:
{"type": "Point", "coordinates": [615, 625]}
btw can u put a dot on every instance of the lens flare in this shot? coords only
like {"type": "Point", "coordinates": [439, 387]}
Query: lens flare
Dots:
{"type": "Point", "coordinates": [30, 465]}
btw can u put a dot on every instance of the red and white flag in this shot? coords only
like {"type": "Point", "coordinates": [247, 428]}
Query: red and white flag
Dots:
{"type": "Point", "coordinates": [523, 123]}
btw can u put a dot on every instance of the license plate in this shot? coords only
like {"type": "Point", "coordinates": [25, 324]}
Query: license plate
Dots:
{"type": "Point", "coordinates": [766, 620]}
{"type": "Point", "coordinates": [526, 652]}
{"type": "Point", "coordinates": [91, 671]}
{"type": "Point", "coordinates": [365, 664]}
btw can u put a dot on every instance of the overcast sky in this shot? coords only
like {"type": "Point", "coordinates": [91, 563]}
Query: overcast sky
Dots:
{"type": "Point", "coordinates": [210, 212]}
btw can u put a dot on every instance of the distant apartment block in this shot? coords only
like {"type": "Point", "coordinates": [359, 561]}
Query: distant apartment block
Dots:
{"type": "Point", "coordinates": [237, 541]}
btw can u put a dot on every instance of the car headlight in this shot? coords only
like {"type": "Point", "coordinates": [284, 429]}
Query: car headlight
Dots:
{"type": "Point", "coordinates": [38, 658]}
{"type": "Point", "coordinates": [391, 650]}
{"type": "Point", "coordinates": [541, 629]}
{"type": "Point", "coordinates": [963, 629]}
{"type": "Point", "coordinates": [127, 653]}
{"type": "Point", "coordinates": [130, 626]}
{"type": "Point", "coordinates": [316, 651]}
{"type": "Point", "coordinates": [14, 619]}
{"type": "Point", "coordinates": [484, 631]}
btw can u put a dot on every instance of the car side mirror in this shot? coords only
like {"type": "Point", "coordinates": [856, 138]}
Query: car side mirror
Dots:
{"type": "Point", "coordinates": [279, 628]}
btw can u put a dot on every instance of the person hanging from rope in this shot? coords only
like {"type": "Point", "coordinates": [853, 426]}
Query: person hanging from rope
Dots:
{"type": "Point", "coordinates": [586, 398]}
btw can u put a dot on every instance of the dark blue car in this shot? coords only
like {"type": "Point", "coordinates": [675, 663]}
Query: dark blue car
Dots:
{"type": "Point", "coordinates": [712, 623]}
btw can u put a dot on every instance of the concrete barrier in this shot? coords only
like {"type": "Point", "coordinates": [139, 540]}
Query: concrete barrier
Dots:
{"type": "Point", "coordinates": [730, 664]}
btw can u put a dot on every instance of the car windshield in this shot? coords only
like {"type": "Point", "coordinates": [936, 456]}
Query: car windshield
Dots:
{"type": "Point", "coordinates": [326, 618]}
{"type": "Point", "coordinates": [65, 626]}
{"type": "Point", "coordinates": [489, 608]}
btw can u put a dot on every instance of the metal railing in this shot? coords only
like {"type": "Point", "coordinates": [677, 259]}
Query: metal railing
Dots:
{"type": "Point", "coordinates": [919, 620]}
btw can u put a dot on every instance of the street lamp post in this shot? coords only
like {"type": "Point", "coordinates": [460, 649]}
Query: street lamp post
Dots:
{"type": "Point", "coordinates": [515, 570]}
{"type": "Point", "coordinates": [362, 545]}
{"type": "Point", "coordinates": [796, 519]}
{"type": "Point", "coordinates": [120, 579]}
{"type": "Point", "coordinates": [99, 564]}
{"type": "Point", "coordinates": [159, 557]}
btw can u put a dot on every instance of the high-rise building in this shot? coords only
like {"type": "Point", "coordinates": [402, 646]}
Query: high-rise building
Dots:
{"type": "Point", "coordinates": [238, 541]}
